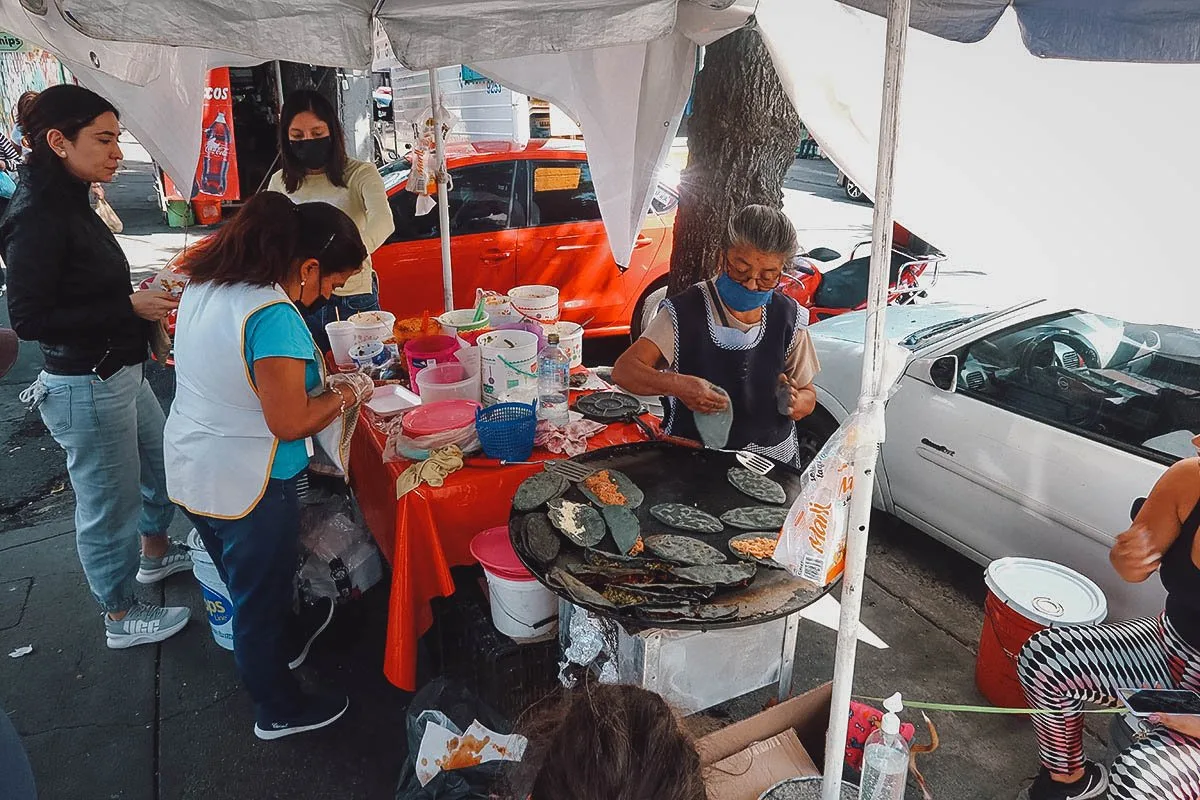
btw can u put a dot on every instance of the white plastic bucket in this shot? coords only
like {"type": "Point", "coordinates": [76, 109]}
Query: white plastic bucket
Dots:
{"type": "Point", "coordinates": [518, 607]}
{"type": "Point", "coordinates": [535, 302]}
{"type": "Point", "coordinates": [216, 596]}
{"type": "Point", "coordinates": [461, 320]}
{"type": "Point", "coordinates": [373, 326]}
{"type": "Point", "coordinates": [570, 339]}
{"type": "Point", "coordinates": [508, 363]}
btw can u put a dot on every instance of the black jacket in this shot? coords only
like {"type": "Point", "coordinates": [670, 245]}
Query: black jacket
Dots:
{"type": "Point", "coordinates": [68, 279]}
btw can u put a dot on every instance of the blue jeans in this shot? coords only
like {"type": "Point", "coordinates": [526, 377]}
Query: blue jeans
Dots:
{"type": "Point", "coordinates": [256, 557]}
{"type": "Point", "coordinates": [112, 432]}
{"type": "Point", "coordinates": [346, 306]}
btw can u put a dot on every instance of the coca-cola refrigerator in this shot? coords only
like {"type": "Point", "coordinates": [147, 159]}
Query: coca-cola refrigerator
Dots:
{"type": "Point", "coordinates": [216, 176]}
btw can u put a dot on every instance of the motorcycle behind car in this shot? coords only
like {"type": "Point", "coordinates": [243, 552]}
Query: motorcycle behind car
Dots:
{"type": "Point", "coordinates": [827, 284]}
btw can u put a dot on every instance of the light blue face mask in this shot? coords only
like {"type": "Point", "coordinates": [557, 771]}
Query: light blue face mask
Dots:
{"type": "Point", "coordinates": [738, 297]}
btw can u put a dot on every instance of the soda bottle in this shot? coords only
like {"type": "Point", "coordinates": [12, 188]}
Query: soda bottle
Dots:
{"type": "Point", "coordinates": [215, 157]}
{"type": "Point", "coordinates": [554, 377]}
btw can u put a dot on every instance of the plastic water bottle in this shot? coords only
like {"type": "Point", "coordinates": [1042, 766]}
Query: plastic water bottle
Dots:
{"type": "Point", "coordinates": [885, 757]}
{"type": "Point", "coordinates": [554, 379]}
{"type": "Point", "coordinates": [215, 157]}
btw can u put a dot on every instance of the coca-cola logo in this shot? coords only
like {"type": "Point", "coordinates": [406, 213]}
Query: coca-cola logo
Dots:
{"type": "Point", "coordinates": [215, 147]}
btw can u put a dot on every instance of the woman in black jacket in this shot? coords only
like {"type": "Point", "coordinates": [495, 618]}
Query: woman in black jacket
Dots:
{"type": "Point", "coordinates": [70, 290]}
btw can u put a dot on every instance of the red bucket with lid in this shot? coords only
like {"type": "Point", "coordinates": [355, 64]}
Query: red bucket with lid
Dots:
{"type": "Point", "coordinates": [1027, 595]}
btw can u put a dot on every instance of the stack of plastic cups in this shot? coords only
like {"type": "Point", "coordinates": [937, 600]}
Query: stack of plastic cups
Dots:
{"type": "Point", "coordinates": [341, 339]}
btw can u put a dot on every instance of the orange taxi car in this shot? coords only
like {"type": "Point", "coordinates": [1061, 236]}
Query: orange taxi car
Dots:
{"type": "Point", "coordinates": [522, 214]}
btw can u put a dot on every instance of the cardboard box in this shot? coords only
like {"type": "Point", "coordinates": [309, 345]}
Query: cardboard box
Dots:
{"type": "Point", "coordinates": [744, 759]}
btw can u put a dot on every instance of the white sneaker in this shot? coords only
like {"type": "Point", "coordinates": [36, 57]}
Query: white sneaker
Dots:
{"type": "Point", "coordinates": [153, 570]}
{"type": "Point", "coordinates": [145, 624]}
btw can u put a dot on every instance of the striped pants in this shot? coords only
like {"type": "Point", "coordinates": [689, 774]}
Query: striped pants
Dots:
{"type": "Point", "coordinates": [1062, 668]}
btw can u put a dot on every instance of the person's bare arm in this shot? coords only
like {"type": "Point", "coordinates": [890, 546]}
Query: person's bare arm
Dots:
{"type": "Point", "coordinates": [639, 371]}
{"type": "Point", "coordinates": [1138, 551]}
{"type": "Point", "coordinates": [290, 412]}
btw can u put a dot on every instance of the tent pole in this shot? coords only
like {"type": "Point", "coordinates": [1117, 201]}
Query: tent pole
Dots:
{"type": "Point", "coordinates": [443, 205]}
{"type": "Point", "coordinates": [871, 401]}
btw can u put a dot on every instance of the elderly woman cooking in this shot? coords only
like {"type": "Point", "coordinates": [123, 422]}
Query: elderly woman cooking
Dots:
{"type": "Point", "coordinates": [733, 341]}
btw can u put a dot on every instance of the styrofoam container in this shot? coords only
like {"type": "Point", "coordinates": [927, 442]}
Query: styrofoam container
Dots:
{"type": "Point", "coordinates": [535, 302]}
{"type": "Point", "coordinates": [570, 339]}
{"type": "Point", "coordinates": [1045, 592]}
{"type": "Point", "coordinates": [391, 399]}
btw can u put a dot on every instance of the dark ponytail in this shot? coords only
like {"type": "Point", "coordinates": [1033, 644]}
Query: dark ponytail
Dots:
{"type": "Point", "coordinates": [270, 236]}
{"type": "Point", "coordinates": [64, 108]}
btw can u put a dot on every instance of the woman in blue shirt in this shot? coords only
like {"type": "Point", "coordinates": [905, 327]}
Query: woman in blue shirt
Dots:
{"type": "Point", "coordinates": [251, 395]}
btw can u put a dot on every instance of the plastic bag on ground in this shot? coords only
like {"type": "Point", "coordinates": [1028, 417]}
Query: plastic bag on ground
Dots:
{"type": "Point", "coordinates": [452, 705]}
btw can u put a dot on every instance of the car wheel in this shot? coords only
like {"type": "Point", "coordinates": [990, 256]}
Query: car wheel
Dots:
{"type": "Point", "coordinates": [852, 191]}
{"type": "Point", "coordinates": [813, 432]}
{"type": "Point", "coordinates": [647, 309]}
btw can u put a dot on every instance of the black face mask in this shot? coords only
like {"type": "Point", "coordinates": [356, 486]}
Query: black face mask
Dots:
{"type": "Point", "coordinates": [308, 309]}
{"type": "Point", "coordinates": [312, 153]}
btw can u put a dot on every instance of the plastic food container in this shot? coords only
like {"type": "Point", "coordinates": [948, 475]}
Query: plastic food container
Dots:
{"type": "Point", "coordinates": [570, 339]}
{"type": "Point", "coordinates": [439, 417]}
{"type": "Point", "coordinates": [447, 382]}
{"type": "Point", "coordinates": [390, 400]}
{"type": "Point", "coordinates": [462, 320]}
{"type": "Point", "coordinates": [428, 351]}
{"type": "Point", "coordinates": [535, 302]}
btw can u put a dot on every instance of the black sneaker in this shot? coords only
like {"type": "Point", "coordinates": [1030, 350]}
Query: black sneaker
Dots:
{"type": "Point", "coordinates": [1094, 783]}
{"type": "Point", "coordinates": [319, 710]}
{"type": "Point", "coordinates": [310, 623]}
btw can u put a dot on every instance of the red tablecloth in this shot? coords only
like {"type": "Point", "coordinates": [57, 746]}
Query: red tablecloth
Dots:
{"type": "Point", "coordinates": [429, 530]}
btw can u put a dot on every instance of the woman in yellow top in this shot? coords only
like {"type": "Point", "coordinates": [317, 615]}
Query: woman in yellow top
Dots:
{"type": "Point", "coordinates": [316, 168]}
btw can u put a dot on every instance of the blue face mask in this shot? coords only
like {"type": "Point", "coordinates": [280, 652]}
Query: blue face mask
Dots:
{"type": "Point", "coordinates": [738, 297]}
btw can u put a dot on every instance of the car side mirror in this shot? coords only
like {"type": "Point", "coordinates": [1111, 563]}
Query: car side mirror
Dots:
{"type": "Point", "coordinates": [944, 373]}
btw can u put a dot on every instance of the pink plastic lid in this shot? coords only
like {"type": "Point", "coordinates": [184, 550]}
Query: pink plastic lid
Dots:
{"type": "Point", "coordinates": [444, 415]}
{"type": "Point", "coordinates": [493, 549]}
{"type": "Point", "coordinates": [430, 346]}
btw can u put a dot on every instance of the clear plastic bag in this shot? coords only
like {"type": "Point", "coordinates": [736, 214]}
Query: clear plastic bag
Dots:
{"type": "Point", "coordinates": [813, 542]}
{"type": "Point", "coordinates": [402, 447]}
{"type": "Point", "coordinates": [339, 558]}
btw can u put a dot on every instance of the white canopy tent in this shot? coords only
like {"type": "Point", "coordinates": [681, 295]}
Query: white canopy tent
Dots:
{"type": "Point", "coordinates": [1002, 158]}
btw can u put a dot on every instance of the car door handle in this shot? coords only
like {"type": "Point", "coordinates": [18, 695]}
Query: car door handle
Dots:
{"type": "Point", "coordinates": [642, 241]}
{"type": "Point", "coordinates": [946, 451]}
{"type": "Point", "coordinates": [495, 256]}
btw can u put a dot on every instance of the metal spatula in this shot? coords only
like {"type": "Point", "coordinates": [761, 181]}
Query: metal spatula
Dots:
{"type": "Point", "coordinates": [754, 462]}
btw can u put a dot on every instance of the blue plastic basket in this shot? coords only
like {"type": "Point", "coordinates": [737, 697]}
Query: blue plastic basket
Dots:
{"type": "Point", "coordinates": [507, 430]}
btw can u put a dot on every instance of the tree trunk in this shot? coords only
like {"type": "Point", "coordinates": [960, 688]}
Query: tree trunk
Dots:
{"type": "Point", "coordinates": [742, 139]}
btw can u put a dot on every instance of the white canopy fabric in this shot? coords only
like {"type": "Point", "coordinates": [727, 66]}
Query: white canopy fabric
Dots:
{"type": "Point", "coordinates": [158, 90]}
{"type": "Point", "coordinates": [1076, 181]}
{"type": "Point", "coordinates": [1083, 30]}
{"type": "Point", "coordinates": [622, 68]}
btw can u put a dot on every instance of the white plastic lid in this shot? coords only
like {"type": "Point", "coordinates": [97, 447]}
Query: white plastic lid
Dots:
{"type": "Point", "coordinates": [1046, 593]}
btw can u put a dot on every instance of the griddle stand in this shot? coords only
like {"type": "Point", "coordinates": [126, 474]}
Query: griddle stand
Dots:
{"type": "Point", "coordinates": [694, 670]}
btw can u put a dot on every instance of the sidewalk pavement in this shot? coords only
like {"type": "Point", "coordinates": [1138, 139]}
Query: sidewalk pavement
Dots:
{"type": "Point", "coordinates": [170, 722]}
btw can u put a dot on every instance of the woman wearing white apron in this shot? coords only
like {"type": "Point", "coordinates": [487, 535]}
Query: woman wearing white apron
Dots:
{"type": "Point", "coordinates": [250, 392]}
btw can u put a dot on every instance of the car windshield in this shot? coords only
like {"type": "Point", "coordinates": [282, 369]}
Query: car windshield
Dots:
{"type": "Point", "coordinates": [394, 174]}
{"type": "Point", "coordinates": [926, 335]}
